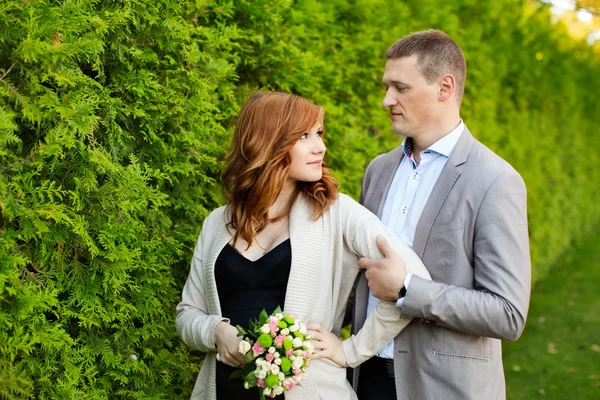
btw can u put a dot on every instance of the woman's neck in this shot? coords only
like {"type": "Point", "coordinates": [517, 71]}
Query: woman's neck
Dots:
{"type": "Point", "coordinates": [283, 200]}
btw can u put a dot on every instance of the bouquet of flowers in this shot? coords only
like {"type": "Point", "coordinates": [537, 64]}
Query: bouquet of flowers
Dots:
{"type": "Point", "coordinates": [277, 350]}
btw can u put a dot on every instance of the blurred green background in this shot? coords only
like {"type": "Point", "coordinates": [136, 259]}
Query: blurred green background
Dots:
{"type": "Point", "coordinates": [115, 117]}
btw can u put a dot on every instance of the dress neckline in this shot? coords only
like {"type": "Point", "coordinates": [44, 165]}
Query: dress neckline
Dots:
{"type": "Point", "coordinates": [260, 258]}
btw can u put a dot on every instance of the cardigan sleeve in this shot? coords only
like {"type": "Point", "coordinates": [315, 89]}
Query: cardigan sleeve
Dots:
{"type": "Point", "coordinates": [195, 325]}
{"type": "Point", "coordinates": [384, 323]}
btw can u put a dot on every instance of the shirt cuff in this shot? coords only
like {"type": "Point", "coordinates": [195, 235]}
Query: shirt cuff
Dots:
{"type": "Point", "coordinates": [400, 301]}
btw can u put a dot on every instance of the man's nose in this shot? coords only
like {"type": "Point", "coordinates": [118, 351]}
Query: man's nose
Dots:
{"type": "Point", "coordinates": [388, 100]}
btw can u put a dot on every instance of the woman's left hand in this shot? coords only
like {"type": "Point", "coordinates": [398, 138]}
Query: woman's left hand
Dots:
{"type": "Point", "coordinates": [328, 345]}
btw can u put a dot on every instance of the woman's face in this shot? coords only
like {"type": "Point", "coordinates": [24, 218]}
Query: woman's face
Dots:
{"type": "Point", "coordinates": [307, 156]}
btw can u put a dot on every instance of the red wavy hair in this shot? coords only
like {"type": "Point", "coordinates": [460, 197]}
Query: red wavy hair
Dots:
{"type": "Point", "coordinates": [269, 125]}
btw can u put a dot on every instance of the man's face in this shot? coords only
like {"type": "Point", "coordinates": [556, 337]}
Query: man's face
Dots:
{"type": "Point", "coordinates": [412, 101]}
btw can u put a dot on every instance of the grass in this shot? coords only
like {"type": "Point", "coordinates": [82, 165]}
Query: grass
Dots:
{"type": "Point", "coordinates": [558, 355]}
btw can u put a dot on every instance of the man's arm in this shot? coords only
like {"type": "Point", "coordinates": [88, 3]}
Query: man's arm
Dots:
{"type": "Point", "coordinates": [497, 306]}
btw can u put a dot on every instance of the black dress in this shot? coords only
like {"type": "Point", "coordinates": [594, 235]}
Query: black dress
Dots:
{"type": "Point", "coordinates": [246, 287]}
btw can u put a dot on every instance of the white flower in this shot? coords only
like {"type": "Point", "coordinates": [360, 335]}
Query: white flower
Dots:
{"type": "Point", "coordinates": [267, 391]}
{"type": "Point", "coordinates": [262, 374]}
{"type": "Point", "coordinates": [277, 390]}
{"type": "Point", "coordinates": [307, 344]}
{"type": "Point", "coordinates": [246, 385]}
{"type": "Point", "coordinates": [299, 377]}
{"type": "Point", "coordinates": [277, 361]}
{"type": "Point", "coordinates": [271, 350]}
{"type": "Point", "coordinates": [294, 328]}
{"type": "Point", "coordinates": [281, 376]}
{"type": "Point", "coordinates": [279, 316]}
{"type": "Point", "coordinates": [274, 369]}
{"type": "Point", "coordinates": [297, 342]}
{"type": "Point", "coordinates": [302, 328]}
{"type": "Point", "coordinates": [297, 362]}
{"type": "Point", "coordinates": [284, 332]}
{"type": "Point", "coordinates": [276, 354]}
{"type": "Point", "coordinates": [266, 366]}
{"type": "Point", "coordinates": [265, 328]}
{"type": "Point", "coordinates": [244, 347]}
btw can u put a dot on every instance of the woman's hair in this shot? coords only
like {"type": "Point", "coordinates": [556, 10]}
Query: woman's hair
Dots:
{"type": "Point", "coordinates": [257, 166]}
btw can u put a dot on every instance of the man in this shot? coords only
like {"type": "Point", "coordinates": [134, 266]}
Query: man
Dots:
{"type": "Point", "coordinates": [463, 210]}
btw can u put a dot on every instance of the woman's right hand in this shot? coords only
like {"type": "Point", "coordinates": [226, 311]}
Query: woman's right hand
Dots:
{"type": "Point", "coordinates": [228, 342]}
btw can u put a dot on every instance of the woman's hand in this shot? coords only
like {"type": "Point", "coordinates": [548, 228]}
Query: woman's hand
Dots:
{"type": "Point", "coordinates": [228, 342]}
{"type": "Point", "coordinates": [330, 346]}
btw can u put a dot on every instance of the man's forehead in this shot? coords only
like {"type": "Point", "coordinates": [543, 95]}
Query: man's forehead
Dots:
{"type": "Point", "coordinates": [399, 69]}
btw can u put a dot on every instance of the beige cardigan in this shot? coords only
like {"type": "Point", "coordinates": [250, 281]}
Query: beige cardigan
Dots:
{"type": "Point", "coordinates": [324, 267]}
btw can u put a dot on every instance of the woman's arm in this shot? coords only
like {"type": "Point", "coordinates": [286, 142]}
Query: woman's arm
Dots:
{"type": "Point", "coordinates": [361, 228]}
{"type": "Point", "coordinates": [195, 325]}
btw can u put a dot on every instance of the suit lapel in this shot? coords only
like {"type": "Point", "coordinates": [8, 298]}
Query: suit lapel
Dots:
{"type": "Point", "coordinates": [450, 174]}
{"type": "Point", "coordinates": [306, 236]}
{"type": "Point", "coordinates": [393, 160]}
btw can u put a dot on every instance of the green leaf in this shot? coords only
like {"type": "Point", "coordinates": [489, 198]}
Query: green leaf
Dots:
{"type": "Point", "coordinates": [263, 317]}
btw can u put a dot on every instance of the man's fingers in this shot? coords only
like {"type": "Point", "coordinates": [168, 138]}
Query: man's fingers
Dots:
{"type": "Point", "coordinates": [384, 247]}
{"type": "Point", "coordinates": [365, 263]}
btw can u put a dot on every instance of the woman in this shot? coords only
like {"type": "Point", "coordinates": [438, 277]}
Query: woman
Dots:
{"type": "Point", "coordinates": [285, 238]}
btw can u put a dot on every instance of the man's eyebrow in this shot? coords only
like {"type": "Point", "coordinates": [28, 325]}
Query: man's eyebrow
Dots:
{"type": "Point", "coordinates": [393, 82]}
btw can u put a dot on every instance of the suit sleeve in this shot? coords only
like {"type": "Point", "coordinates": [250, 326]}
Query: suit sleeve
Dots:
{"type": "Point", "coordinates": [497, 306]}
{"type": "Point", "coordinates": [384, 323]}
{"type": "Point", "coordinates": [195, 325]}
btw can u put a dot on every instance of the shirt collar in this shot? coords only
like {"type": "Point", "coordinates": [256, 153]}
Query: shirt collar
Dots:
{"type": "Point", "coordinates": [443, 146]}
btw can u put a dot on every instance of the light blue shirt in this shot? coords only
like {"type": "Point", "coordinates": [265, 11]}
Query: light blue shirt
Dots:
{"type": "Point", "coordinates": [408, 194]}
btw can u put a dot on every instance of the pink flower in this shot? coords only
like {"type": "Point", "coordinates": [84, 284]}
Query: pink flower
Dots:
{"type": "Point", "coordinates": [273, 325]}
{"type": "Point", "coordinates": [269, 357]}
{"type": "Point", "coordinates": [279, 340]}
{"type": "Point", "coordinates": [297, 371]}
{"type": "Point", "coordinates": [257, 349]}
{"type": "Point", "coordinates": [260, 383]}
{"type": "Point", "coordinates": [289, 353]}
{"type": "Point", "coordinates": [307, 363]}
{"type": "Point", "coordinates": [289, 384]}
{"type": "Point", "coordinates": [305, 354]}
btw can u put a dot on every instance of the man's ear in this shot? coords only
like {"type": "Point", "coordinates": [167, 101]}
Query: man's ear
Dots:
{"type": "Point", "coordinates": [446, 87]}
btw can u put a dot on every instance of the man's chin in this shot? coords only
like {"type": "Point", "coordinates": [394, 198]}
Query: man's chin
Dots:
{"type": "Point", "coordinates": [400, 132]}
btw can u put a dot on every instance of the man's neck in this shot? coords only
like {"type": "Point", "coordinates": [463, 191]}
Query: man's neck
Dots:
{"type": "Point", "coordinates": [422, 142]}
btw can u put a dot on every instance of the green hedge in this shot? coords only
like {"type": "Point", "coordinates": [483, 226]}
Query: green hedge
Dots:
{"type": "Point", "coordinates": [114, 119]}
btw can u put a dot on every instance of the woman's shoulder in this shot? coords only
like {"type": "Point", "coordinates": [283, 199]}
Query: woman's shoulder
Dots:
{"type": "Point", "coordinates": [216, 216]}
{"type": "Point", "coordinates": [214, 219]}
{"type": "Point", "coordinates": [350, 209]}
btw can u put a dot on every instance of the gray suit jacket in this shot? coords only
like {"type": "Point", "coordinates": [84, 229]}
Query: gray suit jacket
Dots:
{"type": "Point", "coordinates": [473, 239]}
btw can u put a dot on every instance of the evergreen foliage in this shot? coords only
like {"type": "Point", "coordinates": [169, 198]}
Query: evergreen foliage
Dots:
{"type": "Point", "coordinates": [114, 119]}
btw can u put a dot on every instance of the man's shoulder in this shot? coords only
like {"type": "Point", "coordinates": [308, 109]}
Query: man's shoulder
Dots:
{"type": "Point", "coordinates": [487, 163]}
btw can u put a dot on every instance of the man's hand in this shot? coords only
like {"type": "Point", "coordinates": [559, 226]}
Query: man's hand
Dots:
{"type": "Point", "coordinates": [386, 276]}
{"type": "Point", "coordinates": [228, 342]}
{"type": "Point", "coordinates": [329, 345]}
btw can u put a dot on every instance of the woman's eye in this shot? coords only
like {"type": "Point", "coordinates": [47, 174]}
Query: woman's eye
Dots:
{"type": "Point", "coordinates": [304, 136]}
{"type": "Point", "coordinates": [320, 133]}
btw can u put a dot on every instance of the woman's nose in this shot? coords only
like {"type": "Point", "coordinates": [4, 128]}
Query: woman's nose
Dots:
{"type": "Point", "coordinates": [319, 146]}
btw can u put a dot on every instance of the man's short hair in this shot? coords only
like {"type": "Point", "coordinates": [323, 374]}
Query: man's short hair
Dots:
{"type": "Point", "coordinates": [437, 55]}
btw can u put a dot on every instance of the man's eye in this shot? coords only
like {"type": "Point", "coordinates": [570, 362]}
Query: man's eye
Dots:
{"type": "Point", "coordinates": [400, 89]}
